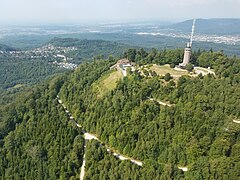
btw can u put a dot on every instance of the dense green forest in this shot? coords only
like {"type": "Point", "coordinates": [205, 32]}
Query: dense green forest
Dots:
{"type": "Point", "coordinates": [41, 143]}
{"type": "Point", "coordinates": [198, 132]}
{"type": "Point", "coordinates": [101, 165]}
{"type": "Point", "coordinates": [24, 71]}
{"type": "Point", "coordinates": [38, 142]}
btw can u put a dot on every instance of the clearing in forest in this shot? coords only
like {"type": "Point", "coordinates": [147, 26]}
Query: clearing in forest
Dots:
{"type": "Point", "coordinates": [107, 82]}
{"type": "Point", "coordinates": [162, 70]}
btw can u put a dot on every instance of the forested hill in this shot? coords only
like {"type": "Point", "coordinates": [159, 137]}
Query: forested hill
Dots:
{"type": "Point", "coordinates": [90, 48]}
{"type": "Point", "coordinates": [69, 42]}
{"type": "Point", "coordinates": [197, 131]}
{"type": "Point", "coordinates": [6, 48]}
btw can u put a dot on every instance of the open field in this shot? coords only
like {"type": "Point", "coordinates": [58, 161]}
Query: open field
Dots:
{"type": "Point", "coordinates": [162, 70]}
{"type": "Point", "coordinates": [108, 82]}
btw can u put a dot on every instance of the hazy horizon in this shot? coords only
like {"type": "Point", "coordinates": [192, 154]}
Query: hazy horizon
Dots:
{"type": "Point", "coordinates": [106, 11]}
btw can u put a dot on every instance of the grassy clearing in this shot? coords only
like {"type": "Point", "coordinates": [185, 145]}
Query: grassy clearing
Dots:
{"type": "Point", "coordinates": [107, 83]}
{"type": "Point", "coordinates": [162, 70]}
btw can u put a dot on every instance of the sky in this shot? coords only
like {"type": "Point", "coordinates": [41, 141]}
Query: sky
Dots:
{"type": "Point", "coordinates": [83, 11]}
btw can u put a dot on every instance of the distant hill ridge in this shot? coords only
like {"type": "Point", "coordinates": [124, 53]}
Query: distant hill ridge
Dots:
{"type": "Point", "coordinates": [88, 49]}
{"type": "Point", "coordinates": [221, 26]}
{"type": "Point", "coordinates": [67, 42]}
{"type": "Point", "coordinates": [6, 48]}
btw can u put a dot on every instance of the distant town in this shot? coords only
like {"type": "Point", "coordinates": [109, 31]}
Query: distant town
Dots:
{"type": "Point", "coordinates": [54, 55]}
{"type": "Point", "coordinates": [225, 39]}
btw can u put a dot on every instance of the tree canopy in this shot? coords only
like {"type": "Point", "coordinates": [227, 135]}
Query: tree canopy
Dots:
{"type": "Point", "coordinates": [37, 141]}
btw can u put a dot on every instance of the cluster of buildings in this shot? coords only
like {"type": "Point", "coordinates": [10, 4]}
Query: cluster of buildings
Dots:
{"type": "Point", "coordinates": [228, 39]}
{"type": "Point", "coordinates": [223, 39]}
{"type": "Point", "coordinates": [122, 65]}
{"type": "Point", "coordinates": [48, 51]}
{"type": "Point", "coordinates": [54, 55]}
{"type": "Point", "coordinates": [65, 65]}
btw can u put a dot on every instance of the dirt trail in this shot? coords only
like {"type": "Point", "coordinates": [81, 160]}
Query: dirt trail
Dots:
{"type": "Point", "coordinates": [89, 136]}
{"type": "Point", "coordinates": [160, 102]}
{"type": "Point", "coordinates": [236, 121]}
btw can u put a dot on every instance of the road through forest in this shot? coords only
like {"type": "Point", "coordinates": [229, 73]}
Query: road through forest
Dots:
{"type": "Point", "coordinates": [89, 136]}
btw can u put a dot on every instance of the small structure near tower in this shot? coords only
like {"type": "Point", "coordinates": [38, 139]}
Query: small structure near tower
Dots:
{"type": "Point", "coordinates": [122, 65]}
{"type": "Point", "coordinates": [188, 49]}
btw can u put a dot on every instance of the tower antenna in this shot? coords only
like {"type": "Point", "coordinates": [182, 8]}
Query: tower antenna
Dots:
{"type": "Point", "coordinates": [188, 49]}
{"type": "Point", "coordinates": [193, 28]}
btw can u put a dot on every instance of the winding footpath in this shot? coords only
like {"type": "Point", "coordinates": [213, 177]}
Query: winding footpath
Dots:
{"type": "Point", "coordinates": [160, 102]}
{"type": "Point", "coordinates": [89, 136]}
{"type": "Point", "coordinates": [236, 121]}
{"type": "Point", "coordinates": [84, 162]}
{"type": "Point", "coordinates": [185, 169]}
